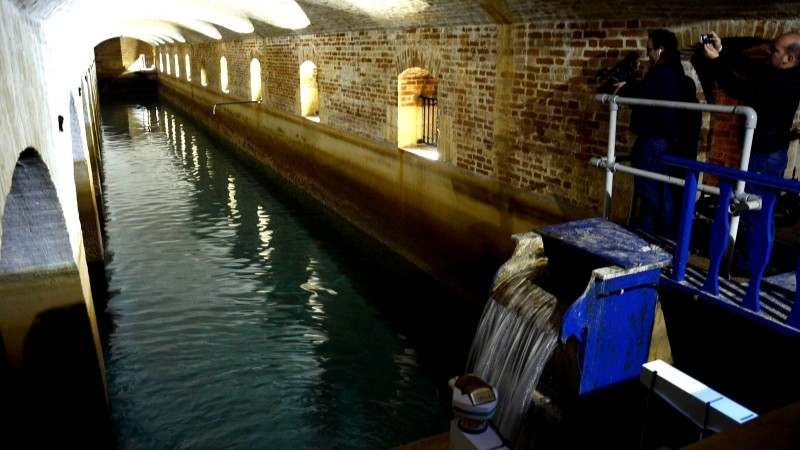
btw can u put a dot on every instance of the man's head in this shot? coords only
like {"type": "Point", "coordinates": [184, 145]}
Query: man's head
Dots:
{"type": "Point", "coordinates": [785, 51]}
{"type": "Point", "coordinates": [660, 43]}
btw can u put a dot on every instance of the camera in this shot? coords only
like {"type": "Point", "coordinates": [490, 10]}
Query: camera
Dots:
{"type": "Point", "coordinates": [624, 70]}
{"type": "Point", "coordinates": [706, 38]}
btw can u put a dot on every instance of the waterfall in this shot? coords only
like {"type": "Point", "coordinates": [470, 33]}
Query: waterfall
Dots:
{"type": "Point", "coordinates": [516, 336]}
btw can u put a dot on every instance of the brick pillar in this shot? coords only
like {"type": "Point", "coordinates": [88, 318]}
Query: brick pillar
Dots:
{"type": "Point", "coordinates": [724, 145]}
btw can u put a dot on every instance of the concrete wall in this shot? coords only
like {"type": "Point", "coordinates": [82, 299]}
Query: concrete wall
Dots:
{"type": "Point", "coordinates": [50, 355]}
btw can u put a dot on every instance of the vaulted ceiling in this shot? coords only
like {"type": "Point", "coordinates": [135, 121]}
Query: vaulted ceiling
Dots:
{"type": "Point", "coordinates": [159, 21]}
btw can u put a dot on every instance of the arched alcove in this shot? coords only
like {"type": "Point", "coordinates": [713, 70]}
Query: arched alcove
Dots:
{"type": "Point", "coordinates": [188, 66]}
{"type": "Point", "coordinates": [169, 68]}
{"type": "Point", "coordinates": [34, 231]}
{"type": "Point", "coordinates": [417, 112]}
{"type": "Point", "coordinates": [177, 67]}
{"type": "Point", "coordinates": [47, 322]}
{"type": "Point", "coordinates": [309, 91]}
{"type": "Point", "coordinates": [223, 75]}
{"type": "Point", "coordinates": [255, 79]}
{"type": "Point", "coordinates": [203, 77]}
{"type": "Point", "coordinates": [161, 62]}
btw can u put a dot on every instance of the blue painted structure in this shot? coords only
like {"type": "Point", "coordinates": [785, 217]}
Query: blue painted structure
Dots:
{"type": "Point", "coordinates": [613, 318]}
{"type": "Point", "coordinates": [773, 302]}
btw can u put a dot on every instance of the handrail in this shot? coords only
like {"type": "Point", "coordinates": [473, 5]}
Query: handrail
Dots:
{"type": "Point", "coordinates": [762, 226]}
{"type": "Point", "coordinates": [214, 108]}
{"type": "Point", "coordinates": [733, 174]}
{"type": "Point", "coordinates": [750, 202]}
{"type": "Point", "coordinates": [613, 102]}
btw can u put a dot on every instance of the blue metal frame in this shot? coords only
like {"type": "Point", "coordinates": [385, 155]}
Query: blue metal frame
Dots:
{"type": "Point", "coordinates": [613, 318]}
{"type": "Point", "coordinates": [759, 250]}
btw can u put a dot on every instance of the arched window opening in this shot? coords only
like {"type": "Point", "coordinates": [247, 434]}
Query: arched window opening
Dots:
{"type": "Point", "coordinates": [48, 325]}
{"type": "Point", "coordinates": [203, 77]}
{"type": "Point", "coordinates": [139, 64]}
{"type": "Point", "coordinates": [223, 75]}
{"type": "Point", "coordinates": [161, 62]}
{"type": "Point", "coordinates": [309, 91]}
{"type": "Point", "coordinates": [169, 71]}
{"type": "Point", "coordinates": [417, 113]}
{"type": "Point", "coordinates": [255, 79]}
{"type": "Point", "coordinates": [31, 240]}
{"type": "Point", "coordinates": [177, 67]}
{"type": "Point", "coordinates": [188, 66]}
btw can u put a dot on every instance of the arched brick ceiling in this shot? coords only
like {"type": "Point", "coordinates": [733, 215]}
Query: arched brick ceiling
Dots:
{"type": "Point", "coordinates": [201, 20]}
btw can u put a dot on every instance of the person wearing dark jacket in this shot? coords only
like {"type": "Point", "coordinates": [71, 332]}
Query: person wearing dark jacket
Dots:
{"type": "Point", "coordinates": [767, 78]}
{"type": "Point", "coordinates": [659, 131]}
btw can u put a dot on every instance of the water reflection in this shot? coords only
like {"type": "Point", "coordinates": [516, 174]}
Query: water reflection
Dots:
{"type": "Point", "coordinates": [235, 325]}
{"type": "Point", "coordinates": [264, 234]}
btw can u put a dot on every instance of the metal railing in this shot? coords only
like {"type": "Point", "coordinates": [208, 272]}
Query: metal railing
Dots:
{"type": "Point", "coordinates": [430, 127]}
{"type": "Point", "coordinates": [610, 164]}
{"type": "Point", "coordinates": [761, 230]}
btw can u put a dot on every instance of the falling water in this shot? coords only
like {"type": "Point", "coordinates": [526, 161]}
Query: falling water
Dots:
{"type": "Point", "coordinates": [516, 336]}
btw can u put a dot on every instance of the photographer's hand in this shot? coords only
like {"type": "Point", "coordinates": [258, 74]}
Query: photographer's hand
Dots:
{"type": "Point", "coordinates": [713, 48]}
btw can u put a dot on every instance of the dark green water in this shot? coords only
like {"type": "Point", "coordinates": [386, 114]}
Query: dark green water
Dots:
{"type": "Point", "coordinates": [242, 315]}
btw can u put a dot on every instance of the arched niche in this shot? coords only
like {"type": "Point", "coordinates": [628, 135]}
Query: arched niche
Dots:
{"type": "Point", "coordinates": [223, 75]}
{"type": "Point", "coordinates": [50, 344]}
{"type": "Point", "coordinates": [417, 112]}
{"type": "Point", "coordinates": [255, 79]}
{"type": "Point", "coordinates": [309, 91]}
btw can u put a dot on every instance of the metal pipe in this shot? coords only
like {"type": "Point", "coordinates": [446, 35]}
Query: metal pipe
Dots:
{"type": "Point", "coordinates": [751, 120]}
{"type": "Point", "coordinates": [749, 113]}
{"type": "Point", "coordinates": [744, 164]}
{"type": "Point", "coordinates": [752, 201]}
{"type": "Point", "coordinates": [214, 109]}
{"type": "Point", "coordinates": [610, 158]}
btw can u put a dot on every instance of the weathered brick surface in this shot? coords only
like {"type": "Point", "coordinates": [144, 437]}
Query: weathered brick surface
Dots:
{"type": "Point", "coordinates": [554, 125]}
{"type": "Point", "coordinates": [114, 56]}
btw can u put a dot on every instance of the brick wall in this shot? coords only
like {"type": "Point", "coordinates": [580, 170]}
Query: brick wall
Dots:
{"type": "Point", "coordinates": [516, 102]}
{"type": "Point", "coordinates": [108, 58]}
{"type": "Point", "coordinates": [114, 56]}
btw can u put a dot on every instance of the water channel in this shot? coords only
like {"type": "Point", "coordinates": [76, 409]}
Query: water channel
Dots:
{"type": "Point", "coordinates": [241, 314]}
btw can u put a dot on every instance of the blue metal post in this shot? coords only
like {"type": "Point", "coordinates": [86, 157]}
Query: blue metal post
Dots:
{"type": "Point", "coordinates": [759, 249]}
{"type": "Point", "coordinates": [681, 258]}
{"type": "Point", "coordinates": [719, 238]}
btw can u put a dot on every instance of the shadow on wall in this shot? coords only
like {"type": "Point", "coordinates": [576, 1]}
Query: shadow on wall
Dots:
{"type": "Point", "coordinates": [51, 371]}
{"type": "Point", "coordinates": [56, 396]}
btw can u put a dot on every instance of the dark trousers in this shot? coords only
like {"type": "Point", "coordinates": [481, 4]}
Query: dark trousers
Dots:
{"type": "Point", "coordinates": [773, 164]}
{"type": "Point", "coordinates": [656, 208]}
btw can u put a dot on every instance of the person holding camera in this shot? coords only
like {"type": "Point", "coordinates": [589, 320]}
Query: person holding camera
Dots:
{"type": "Point", "coordinates": [767, 78]}
{"type": "Point", "coordinates": [660, 131]}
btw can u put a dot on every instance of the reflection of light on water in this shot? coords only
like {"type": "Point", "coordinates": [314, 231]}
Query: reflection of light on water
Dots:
{"type": "Point", "coordinates": [210, 168]}
{"type": "Point", "coordinates": [264, 233]}
{"type": "Point", "coordinates": [166, 126]}
{"type": "Point", "coordinates": [183, 144]}
{"type": "Point", "coordinates": [314, 286]}
{"type": "Point", "coordinates": [173, 135]}
{"type": "Point", "coordinates": [232, 205]}
{"type": "Point", "coordinates": [195, 158]}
